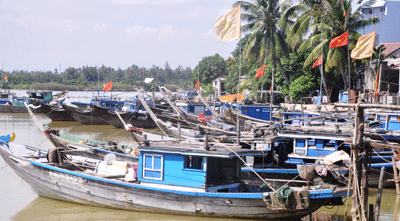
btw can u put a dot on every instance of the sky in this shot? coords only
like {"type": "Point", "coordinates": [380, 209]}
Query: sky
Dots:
{"type": "Point", "coordinates": [42, 35]}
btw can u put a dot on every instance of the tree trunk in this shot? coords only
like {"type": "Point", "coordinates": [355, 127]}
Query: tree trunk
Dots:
{"type": "Point", "coordinates": [343, 72]}
{"type": "Point", "coordinates": [283, 72]}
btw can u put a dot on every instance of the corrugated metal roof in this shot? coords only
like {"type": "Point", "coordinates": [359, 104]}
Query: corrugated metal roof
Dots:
{"type": "Point", "coordinates": [390, 47]}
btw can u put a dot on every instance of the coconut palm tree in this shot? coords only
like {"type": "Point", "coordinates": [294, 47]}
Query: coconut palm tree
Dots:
{"type": "Point", "coordinates": [267, 21]}
{"type": "Point", "coordinates": [332, 18]}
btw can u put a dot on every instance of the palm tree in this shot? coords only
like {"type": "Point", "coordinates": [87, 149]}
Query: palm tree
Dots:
{"type": "Point", "coordinates": [329, 21]}
{"type": "Point", "coordinates": [267, 20]}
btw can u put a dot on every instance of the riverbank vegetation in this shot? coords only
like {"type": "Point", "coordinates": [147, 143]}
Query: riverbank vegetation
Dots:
{"type": "Point", "coordinates": [287, 37]}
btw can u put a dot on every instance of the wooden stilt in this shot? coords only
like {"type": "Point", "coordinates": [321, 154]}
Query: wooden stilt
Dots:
{"type": "Point", "coordinates": [379, 194]}
{"type": "Point", "coordinates": [371, 212]}
{"type": "Point", "coordinates": [396, 207]}
{"type": "Point", "coordinates": [396, 176]}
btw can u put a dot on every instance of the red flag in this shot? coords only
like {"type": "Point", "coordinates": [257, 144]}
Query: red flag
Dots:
{"type": "Point", "coordinates": [340, 40]}
{"type": "Point", "coordinates": [5, 78]}
{"type": "Point", "coordinates": [108, 86]}
{"type": "Point", "coordinates": [317, 62]}
{"type": "Point", "coordinates": [260, 71]}
{"type": "Point", "coordinates": [345, 13]}
{"type": "Point", "coordinates": [377, 84]}
{"type": "Point", "coordinates": [197, 84]}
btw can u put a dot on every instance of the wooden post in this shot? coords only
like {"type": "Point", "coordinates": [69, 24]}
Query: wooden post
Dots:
{"type": "Point", "coordinates": [153, 96]}
{"type": "Point", "coordinates": [371, 212]}
{"type": "Point", "coordinates": [396, 176]}
{"type": "Point", "coordinates": [179, 130]}
{"type": "Point", "coordinates": [379, 194]}
{"type": "Point", "coordinates": [360, 186]}
{"type": "Point", "coordinates": [238, 132]}
{"type": "Point", "coordinates": [206, 147]}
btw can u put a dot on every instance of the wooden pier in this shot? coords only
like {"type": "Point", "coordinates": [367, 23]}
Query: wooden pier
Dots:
{"type": "Point", "coordinates": [361, 153]}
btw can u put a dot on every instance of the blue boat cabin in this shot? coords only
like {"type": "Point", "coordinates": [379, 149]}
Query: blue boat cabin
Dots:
{"type": "Point", "coordinates": [196, 108]}
{"type": "Point", "coordinates": [296, 118]}
{"type": "Point", "coordinates": [258, 112]}
{"type": "Point", "coordinates": [215, 170]}
{"type": "Point", "coordinates": [298, 149]}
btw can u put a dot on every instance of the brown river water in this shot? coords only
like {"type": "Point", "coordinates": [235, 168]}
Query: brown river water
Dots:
{"type": "Point", "coordinates": [19, 202]}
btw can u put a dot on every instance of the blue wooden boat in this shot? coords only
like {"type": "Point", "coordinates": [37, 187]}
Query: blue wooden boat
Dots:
{"type": "Point", "coordinates": [180, 179]}
{"type": "Point", "coordinates": [310, 146]}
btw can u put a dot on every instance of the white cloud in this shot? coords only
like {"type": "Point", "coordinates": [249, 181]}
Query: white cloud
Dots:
{"type": "Point", "coordinates": [69, 25]}
{"type": "Point", "coordinates": [137, 31]}
{"type": "Point", "coordinates": [100, 27]}
{"type": "Point", "coordinates": [209, 34]}
{"type": "Point", "coordinates": [166, 32]}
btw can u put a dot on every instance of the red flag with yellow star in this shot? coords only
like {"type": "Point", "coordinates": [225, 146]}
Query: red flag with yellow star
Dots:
{"type": "Point", "coordinates": [340, 40]}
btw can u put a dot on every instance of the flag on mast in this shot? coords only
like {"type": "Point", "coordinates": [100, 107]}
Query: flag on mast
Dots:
{"type": "Point", "coordinates": [340, 40]}
{"type": "Point", "coordinates": [317, 62]}
{"type": "Point", "coordinates": [228, 27]}
{"type": "Point", "coordinates": [5, 78]}
{"type": "Point", "coordinates": [364, 47]}
{"type": "Point", "coordinates": [197, 84]}
{"type": "Point", "coordinates": [377, 84]}
{"type": "Point", "coordinates": [108, 86]}
{"type": "Point", "coordinates": [260, 71]}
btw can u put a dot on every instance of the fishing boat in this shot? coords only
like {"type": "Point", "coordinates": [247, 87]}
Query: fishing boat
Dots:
{"type": "Point", "coordinates": [84, 115]}
{"type": "Point", "coordinates": [55, 112]}
{"type": "Point", "coordinates": [6, 97]}
{"type": "Point", "coordinates": [131, 113]}
{"type": "Point", "coordinates": [96, 149]}
{"type": "Point", "coordinates": [17, 104]}
{"type": "Point", "coordinates": [310, 145]}
{"type": "Point", "coordinates": [173, 178]}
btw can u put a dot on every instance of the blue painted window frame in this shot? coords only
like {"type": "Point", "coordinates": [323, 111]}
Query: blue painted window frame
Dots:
{"type": "Point", "coordinates": [151, 169]}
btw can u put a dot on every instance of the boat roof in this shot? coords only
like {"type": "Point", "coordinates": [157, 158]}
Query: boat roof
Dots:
{"type": "Point", "coordinates": [218, 150]}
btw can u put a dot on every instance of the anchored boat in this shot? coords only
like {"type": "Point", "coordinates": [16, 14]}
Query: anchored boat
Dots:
{"type": "Point", "coordinates": [170, 178]}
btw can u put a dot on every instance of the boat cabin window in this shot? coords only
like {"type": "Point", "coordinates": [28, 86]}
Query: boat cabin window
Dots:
{"type": "Point", "coordinates": [190, 109]}
{"type": "Point", "coordinates": [193, 162]}
{"type": "Point", "coordinates": [153, 166]}
{"type": "Point", "coordinates": [300, 142]}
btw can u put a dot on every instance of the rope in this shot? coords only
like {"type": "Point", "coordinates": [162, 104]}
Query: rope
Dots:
{"type": "Point", "coordinates": [283, 195]}
{"type": "Point", "coordinates": [265, 182]}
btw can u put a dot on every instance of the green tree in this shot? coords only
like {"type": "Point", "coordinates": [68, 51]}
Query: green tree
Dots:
{"type": "Point", "coordinates": [208, 69]}
{"type": "Point", "coordinates": [267, 20]}
{"type": "Point", "coordinates": [331, 19]}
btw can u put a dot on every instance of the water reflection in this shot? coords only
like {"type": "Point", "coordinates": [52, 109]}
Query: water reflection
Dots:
{"type": "Point", "coordinates": [47, 209]}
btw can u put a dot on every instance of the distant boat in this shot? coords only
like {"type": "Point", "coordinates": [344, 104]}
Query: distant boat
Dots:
{"type": "Point", "coordinates": [17, 104]}
{"type": "Point", "coordinates": [170, 178]}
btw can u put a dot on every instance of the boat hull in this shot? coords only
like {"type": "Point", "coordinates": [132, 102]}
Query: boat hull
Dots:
{"type": "Point", "coordinates": [61, 184]}
{"type": "Point", "coordinates": [16, 109]}
{"type": "Point", "coordinates": [55, 113]}
{"type": "Point", "coordinates": [84, 115]}
{"type": "Point", "coordinates": [135, 119]}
